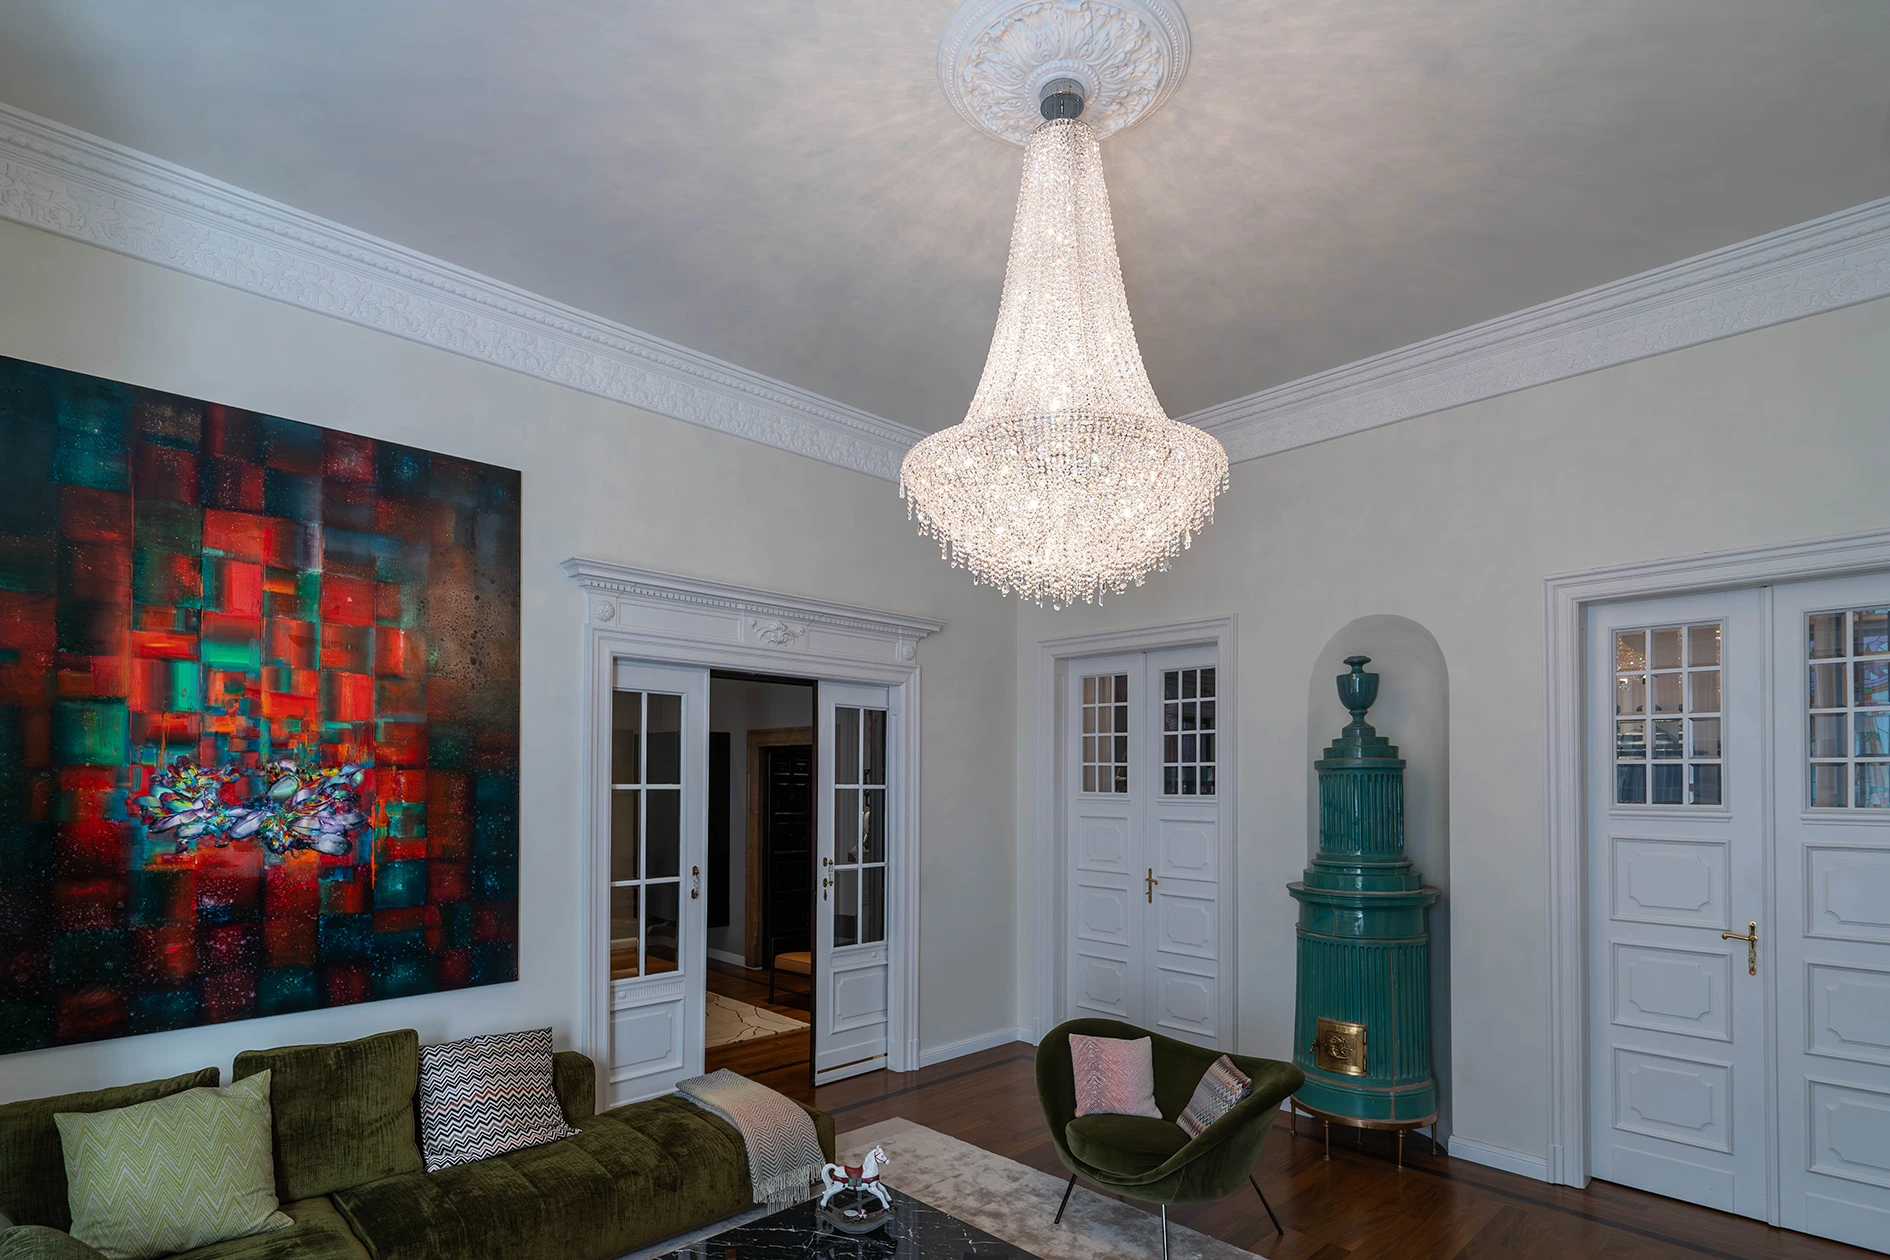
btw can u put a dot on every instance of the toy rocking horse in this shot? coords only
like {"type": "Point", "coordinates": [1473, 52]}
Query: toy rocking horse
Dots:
{"type": "Point", "coordinates": [862, 1186]}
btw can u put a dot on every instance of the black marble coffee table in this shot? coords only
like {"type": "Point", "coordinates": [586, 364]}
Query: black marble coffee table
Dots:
{"type": "Point", "coordinates": [917, 1231]}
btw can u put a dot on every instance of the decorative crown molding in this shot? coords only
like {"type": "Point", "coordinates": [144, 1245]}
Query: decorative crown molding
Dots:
{"type": "Point", "coordinates": [65, 181]}
{"type": "Point", "coordinates": [996, 56]}
{"type": "Point", "coordinates": [1837, 261]}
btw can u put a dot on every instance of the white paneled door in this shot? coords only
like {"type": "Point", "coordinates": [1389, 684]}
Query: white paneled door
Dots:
{"type": "Point", "coordinates": [1739, 902]}
{"type": "Point", "coordinates": [1675, 858]}
{"type": "Point", "coordinates": [654, 852]}
{"type": "Point", "coordinates": [1147, 858]}
{"type": "Point", "coordinates": [857, 811]}
{"type": "Point", "coordinates": [1832, 810]}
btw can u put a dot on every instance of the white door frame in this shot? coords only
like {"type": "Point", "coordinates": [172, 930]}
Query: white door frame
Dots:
{"type": "Point", "coordinates": [1566, 598]}
{"type": "Point", "coordinates": [1053, 657]}
{"type": "Point", "coordinates": [644, 615]}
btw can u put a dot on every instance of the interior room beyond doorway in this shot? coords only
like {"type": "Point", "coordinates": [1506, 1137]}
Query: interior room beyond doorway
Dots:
{"type": "Point", "coordinates": [761, 876]}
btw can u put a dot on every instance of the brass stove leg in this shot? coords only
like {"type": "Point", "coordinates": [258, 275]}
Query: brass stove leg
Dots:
{"type": "Point", "coordinates": [1433, 1137]}
{"type": "Point", "coordinates": [1328, 1140]}
{"type": "Point", "coordinates": [1401, 1148]}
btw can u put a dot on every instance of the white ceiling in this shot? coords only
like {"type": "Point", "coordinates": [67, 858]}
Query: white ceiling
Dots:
{"type": "Point", "coordinates": [781, 183]}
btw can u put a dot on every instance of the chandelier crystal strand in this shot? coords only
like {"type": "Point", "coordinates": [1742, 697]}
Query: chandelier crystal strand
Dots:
{"type": "Point", "coordinates": [1065, 480]}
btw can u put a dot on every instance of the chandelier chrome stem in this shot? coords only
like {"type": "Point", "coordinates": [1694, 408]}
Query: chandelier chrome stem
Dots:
{"type": "Point", "coordinates": [1066, 480]}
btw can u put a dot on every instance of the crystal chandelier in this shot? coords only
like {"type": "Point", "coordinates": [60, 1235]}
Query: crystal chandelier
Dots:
{"type": "Point", "coordinates": [1065, 480]}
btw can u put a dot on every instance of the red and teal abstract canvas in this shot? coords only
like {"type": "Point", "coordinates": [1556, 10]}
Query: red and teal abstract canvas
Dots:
{"type": "Point", "coordinates": [259, 723]}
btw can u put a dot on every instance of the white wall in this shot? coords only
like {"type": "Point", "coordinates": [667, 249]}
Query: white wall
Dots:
{"type": "Point", "coordinates": [601, 480]}
{"type": "Point", "coordinates": [739, 706]}
{"type": "Point", "coordinates": [1453, 520]}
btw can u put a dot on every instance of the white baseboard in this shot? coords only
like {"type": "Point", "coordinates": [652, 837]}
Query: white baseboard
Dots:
{"type": "Point", "coordinates": [971, 1045]}
{"type": "Point", "coordinates": [1534, 1167]}
{"type": "Point", "coordinates": [722, 955]}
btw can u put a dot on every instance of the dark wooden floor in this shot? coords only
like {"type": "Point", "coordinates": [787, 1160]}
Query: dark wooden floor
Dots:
{"type": "Point", "coordinates": [1359, 1206]}
{"type": "Point", "coordinates": [784, 1061]}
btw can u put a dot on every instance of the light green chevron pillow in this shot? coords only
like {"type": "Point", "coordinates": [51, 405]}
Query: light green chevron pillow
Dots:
{"type": "Point", "coordinates": [174, 1173]}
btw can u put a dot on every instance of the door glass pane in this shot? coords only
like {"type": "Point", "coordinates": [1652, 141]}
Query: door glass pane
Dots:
{"type": "Point", "coordinates": [1703, 645]}
{"type": "Point", "coordinates": [1873, 736]}
{"type": "Point", "coordinates": [1666, 651]}
{"type": "Point", "coordinates": [1207, 684]}
{"type": "Point", "coordinates": [663, 845]}
{"type": "Point", "coordinates": [1826, 635]}
{"type": "Point", "coordinates": [874, 824]}
{"type": "Point", "coordinates": [625, 963]}
{"type": "Point", "coordinates": [1667, 784]}
{"type": "Point", "coordinates": [664, 741]}
{"type": "Point", "coordinates": [624, 857]}
{"type": "Point", "coordinates": [1187, 752]}
{"type": "Point", "coordinates": [846, 745]}
{"type": "Point", "coordinates": [846, 826]}
{"type": "Point", "coordinates": [1669, 760]}
{"type": "Point", "coordinates": [626, 725]}
{"type": "Point", "coordinates": [659, 949]}
{"type": "Point", "coordinates": [1870, 631]}
{"type": "Point", "coordinates": [1705, 785]}
{"type": "Point", "coordinates": [1873, 785]}
{"type": "Point", "coordinates": [873, 904]}
{"type": "Point", "coordinates": [1857, 694]}
{"type": "Point", "coordinates": [873, 744]}
{"type": "Point", "coordinates": [846, 906]}
{"type": "Point", "coordinates": [1827, 784]}
{"type": "Point", "coordinates": [1630, 783]}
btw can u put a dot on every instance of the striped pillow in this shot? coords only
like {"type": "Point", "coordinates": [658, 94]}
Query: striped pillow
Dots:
{"type": "Point", "coordinates": [1222, 1085]}
{"type": "Point", "coordinates": [1114, 1076]}
{"type": "Point", "coordinates": [487, 1095]}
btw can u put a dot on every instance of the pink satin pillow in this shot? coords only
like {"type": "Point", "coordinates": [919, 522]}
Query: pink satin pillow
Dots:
{"type": "Point", "coordinates": [1114, 1077]}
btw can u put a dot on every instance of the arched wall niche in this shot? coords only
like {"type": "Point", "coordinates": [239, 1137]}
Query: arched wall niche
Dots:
{"type": "Point", "coordinates": [1413, 711]}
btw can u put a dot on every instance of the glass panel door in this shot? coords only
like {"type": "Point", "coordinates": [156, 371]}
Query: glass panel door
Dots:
{"type": "Point", "coordinates": [655, 847]}
{"type": "Point", "coordinates": [857, 840]}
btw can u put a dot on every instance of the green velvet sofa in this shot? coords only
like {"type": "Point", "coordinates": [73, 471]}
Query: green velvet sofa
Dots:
{"type": "Point", "coordinates": [348, 1168]}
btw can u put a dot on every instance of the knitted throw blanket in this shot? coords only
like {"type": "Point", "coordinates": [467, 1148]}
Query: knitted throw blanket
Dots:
{"type": "Point", "coordinates": [784, 1155]}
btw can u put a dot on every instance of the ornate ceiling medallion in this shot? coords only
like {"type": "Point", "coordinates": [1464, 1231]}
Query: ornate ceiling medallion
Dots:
{"type": "Point", "coordinates": [997, 56]}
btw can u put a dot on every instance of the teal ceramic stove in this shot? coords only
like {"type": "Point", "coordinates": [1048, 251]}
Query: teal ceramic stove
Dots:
{"type": "Point", "coordinates": [1363, 1026]}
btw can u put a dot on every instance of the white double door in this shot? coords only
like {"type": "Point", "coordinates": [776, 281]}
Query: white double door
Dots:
{"type": "Point", "coordinates": [1148, 863]}
{"type": "Point", "coordinates": [652, 847]}
{"type": "Point", "coordinates": [1739, 787]}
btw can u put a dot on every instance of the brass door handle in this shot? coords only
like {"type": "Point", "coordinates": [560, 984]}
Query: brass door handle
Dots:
{"type": "Point", "coordinates": [1751, 938]}
{"type": "Point", "coordinates": [824, 883]}
{"type": "Point", "coordinates": [1151, 881]}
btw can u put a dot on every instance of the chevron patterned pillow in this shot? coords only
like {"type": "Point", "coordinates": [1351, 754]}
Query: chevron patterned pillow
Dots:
{"type": "Point", "coordinates": [173, 1174]}
{"type": "Point", "coordinates": [1222, 1086]}
{"type": "Point", "coordinates": [487, 1095]}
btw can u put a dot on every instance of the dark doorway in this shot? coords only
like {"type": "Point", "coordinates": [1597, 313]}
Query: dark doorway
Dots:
{"type": "Point", "coordinates": [787, 856]}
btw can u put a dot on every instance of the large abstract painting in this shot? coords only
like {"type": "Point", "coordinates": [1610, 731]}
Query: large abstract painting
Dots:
{"type": "Point", "coordinates": [259, 688]}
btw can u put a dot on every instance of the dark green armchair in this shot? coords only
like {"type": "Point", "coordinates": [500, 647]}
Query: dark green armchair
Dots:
{"type": "Point", "coordinates": [1156, 1161]}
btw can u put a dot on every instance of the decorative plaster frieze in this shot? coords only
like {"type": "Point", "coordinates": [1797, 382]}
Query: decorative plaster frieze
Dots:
{"type": "Point", "coordinates": [77, 185]}
{"type": "Point", "coordinates": [768, 617]}
{"type": "Point", "coordinates": [996, 56]}
{"type": "Point", "coordinates": [1839, 260]}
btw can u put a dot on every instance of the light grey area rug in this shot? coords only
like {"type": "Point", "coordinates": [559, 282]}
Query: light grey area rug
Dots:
{"type": "Point", "coordinates": [1017, 1203]}
{"type": "Point", "coordinates": [731, 1020]}
{"type": "Point", "coordinates": [1003, 1198]}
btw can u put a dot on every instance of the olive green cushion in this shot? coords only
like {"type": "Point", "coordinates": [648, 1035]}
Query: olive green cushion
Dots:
{"type": "Point", "coordinates": [32, 1165]}
{"type": "Point", "coordinates": [319, 1233]}
{"type": "Point", "coordinates": [344, 1111]}
{"type": "Point", "coordinates": [574, 1079]}
{"type": "Point", "coordinates": [632, 1176]}
{"type": "Point", "coordinates": [1125, 1145]}
{"type": "Point", "coordinates": [42, 1242]}
{"type": "Point", "coordinates": [174, 1173]}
